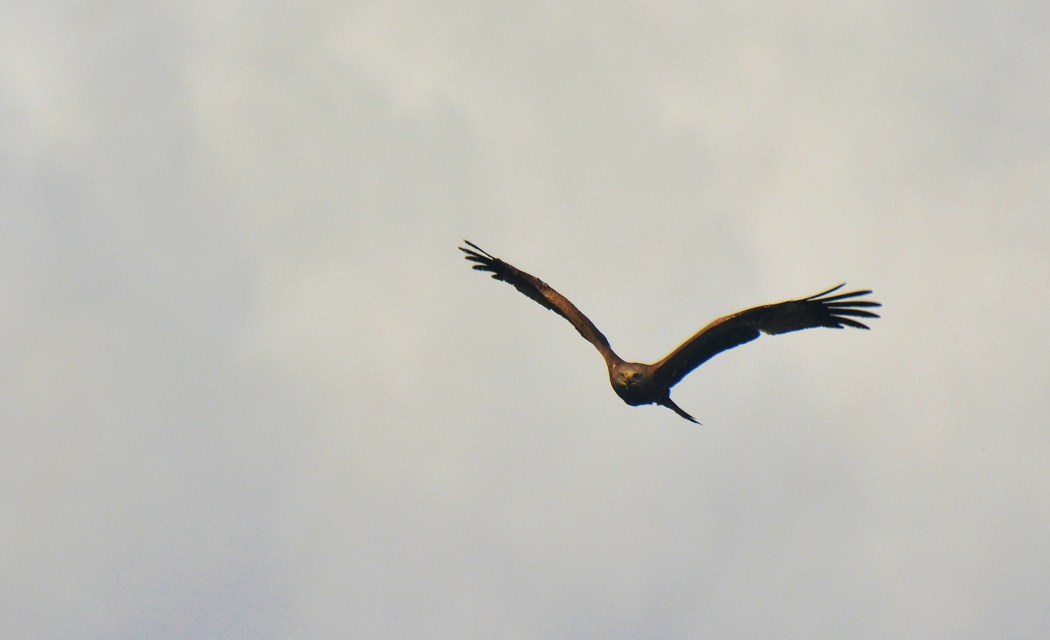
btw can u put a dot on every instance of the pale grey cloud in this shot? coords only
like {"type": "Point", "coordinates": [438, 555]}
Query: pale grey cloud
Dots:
{"type": "Point", "coordinates": [251, 390]}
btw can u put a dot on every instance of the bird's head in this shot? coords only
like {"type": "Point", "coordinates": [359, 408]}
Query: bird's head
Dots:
{"type": "Point", "coordinates": [630, 380]}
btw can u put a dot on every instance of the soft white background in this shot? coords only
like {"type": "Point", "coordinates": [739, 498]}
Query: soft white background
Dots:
{"type": "Point", "coordinates": [249, 388]}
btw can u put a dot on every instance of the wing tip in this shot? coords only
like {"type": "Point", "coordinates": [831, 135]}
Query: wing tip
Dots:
{"type": "Point", "coordinates": [485, 260]}
{"type": "Point", "coordinates": [475, 250]}
{"type": "Point", "coordinates": [842, 301]}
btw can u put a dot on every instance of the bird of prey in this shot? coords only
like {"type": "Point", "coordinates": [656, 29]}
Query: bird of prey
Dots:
{"type": "Point", "coordinates": [637, 383]}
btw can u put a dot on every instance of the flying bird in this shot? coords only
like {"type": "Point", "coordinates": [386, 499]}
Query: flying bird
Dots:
{"type": "Point", "coordinates": [637, 383]}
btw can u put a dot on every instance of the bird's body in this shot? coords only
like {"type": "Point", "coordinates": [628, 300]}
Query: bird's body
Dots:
{"type": "Point", "coordinates": [638, 383]}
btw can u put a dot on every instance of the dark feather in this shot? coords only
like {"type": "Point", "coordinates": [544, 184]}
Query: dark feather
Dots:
{"type": "Point", "coordinates": [638, 383]}
{"type": "Point", "coordinates": [783, 317]}
{"type": "Point", "coordinates": [539, 291]}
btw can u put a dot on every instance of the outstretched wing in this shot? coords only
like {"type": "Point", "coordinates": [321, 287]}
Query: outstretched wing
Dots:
{"type": "Point", "coordinates": [820, 310]}
{"type": "Point", "coordinates": [539, 291]}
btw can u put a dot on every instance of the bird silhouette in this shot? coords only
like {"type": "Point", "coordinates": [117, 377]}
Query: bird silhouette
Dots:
{"type": "Point", "coordinates": [637, 383]}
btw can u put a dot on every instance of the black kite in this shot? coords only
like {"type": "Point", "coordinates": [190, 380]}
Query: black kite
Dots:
{"type": "Point", "coordinates": [638, 383]}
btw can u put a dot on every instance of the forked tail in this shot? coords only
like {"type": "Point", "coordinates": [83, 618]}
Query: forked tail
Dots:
{"type": "Point", "coordinates": [667, 402]}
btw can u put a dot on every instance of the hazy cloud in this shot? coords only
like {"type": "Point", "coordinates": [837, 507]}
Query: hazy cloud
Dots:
{"type": "Point", "coordinates": [250, 390]}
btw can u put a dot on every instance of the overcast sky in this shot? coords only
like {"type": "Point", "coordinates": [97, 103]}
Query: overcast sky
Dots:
{"type": "Point", "coordinates": [249, 388]}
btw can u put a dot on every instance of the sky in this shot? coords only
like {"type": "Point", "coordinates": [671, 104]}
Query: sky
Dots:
{"type": "Point", "coordinates": [249, 388]}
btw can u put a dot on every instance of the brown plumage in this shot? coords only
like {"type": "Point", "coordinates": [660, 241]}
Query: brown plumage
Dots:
{"type": "Point", "coordinates": [637, 383]}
